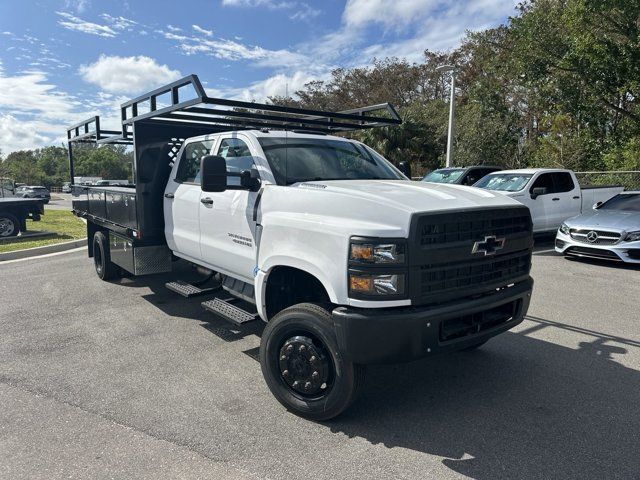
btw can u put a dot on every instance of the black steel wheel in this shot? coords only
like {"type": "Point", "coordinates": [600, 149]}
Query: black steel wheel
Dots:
{"type": "Point", "coordinates": [9, 225]}
{"type": "Point", "coordinates": [105, 268]}
{"type": "Point", "coordinates": [302, 365]}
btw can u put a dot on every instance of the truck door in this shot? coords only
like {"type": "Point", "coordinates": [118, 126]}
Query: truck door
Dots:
{"type": "Point", "coordinates": [182, 201]}
{"type": "Point", "coordinates": [228, 232]}
{"type": "Point", "coordinates": [566, 201]}
{"type": "Point", "coordinates": [541, 207]}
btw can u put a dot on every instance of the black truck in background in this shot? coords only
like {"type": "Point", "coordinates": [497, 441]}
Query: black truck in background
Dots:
{"type": "Point", "coordinates": [15, 211]}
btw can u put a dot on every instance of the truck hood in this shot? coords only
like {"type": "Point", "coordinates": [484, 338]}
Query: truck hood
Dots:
{"type": "Point", "coordinates": [616, 220]}
{"type": "Point", "coordinates": [409, 196]}
{"type": "Point", "coordinates": [380, 208]}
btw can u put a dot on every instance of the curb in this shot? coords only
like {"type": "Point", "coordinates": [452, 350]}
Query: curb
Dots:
{"type": "Point", "coordinates": [34, 252]}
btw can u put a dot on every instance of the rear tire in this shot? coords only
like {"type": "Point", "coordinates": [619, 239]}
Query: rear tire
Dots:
{"type": "Point", "coordinates": [105, 268]}
{"type": "Point", "coordinates": [9, 225]}
{"type": "Point", "coordinates": [302, 365]}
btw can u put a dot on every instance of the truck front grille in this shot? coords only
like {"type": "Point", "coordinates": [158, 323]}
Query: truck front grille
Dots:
{"type": "Point", "coordinates": [442, 262]}
{"type": "Point", "coordinates": [444, 278]}
{"type": "Point", "coordinates": [594, 237]}
{"type": "Point", "coordinates": [468, 226]}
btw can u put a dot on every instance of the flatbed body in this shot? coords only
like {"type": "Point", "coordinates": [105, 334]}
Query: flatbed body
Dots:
{"type": "Point", "coordinates": [15, 211]}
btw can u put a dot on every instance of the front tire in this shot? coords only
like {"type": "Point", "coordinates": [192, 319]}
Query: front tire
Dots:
{"type": "Point", "coordinates": [302, 365]}
{"type": "Point", "coordinates": [9, 225]}
{"type": "Point", "coordinates": [105, 268]}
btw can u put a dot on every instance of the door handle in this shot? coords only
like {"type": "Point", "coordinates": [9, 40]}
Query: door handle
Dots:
{"type": "Point", "coordinates": [168, 195]}
{"type": "Point", "coordinates": [576, 198]}
{"type": "Point", "coordinates": [555, 199]}
{"type": "Point", "coordinates": [206, 201]}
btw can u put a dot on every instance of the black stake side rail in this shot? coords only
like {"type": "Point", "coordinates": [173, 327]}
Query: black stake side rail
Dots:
{"type": "Point", "coordinates": [186, 101]}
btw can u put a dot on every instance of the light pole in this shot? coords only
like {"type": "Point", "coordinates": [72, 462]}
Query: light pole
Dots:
{"type": "Point", "coordinates": [452, 110]}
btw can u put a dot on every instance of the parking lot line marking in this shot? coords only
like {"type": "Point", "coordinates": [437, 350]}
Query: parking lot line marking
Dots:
{"type": "Point", "coordinates": [43, 256]}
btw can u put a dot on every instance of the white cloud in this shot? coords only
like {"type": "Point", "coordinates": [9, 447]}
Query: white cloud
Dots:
{"type": "Point", "coordinates": [234, 50]}
{"type": "Point", "coordinates": [33, 111]}
{"type": "Point", "coordinates": [127, 74]}
{"type": "Point", "coordinates": [119, 23]}
{"type": "Point", "coordinates": [20, 135]}
{"type": "Point", "coordinates": [199, 29]}
{"type": "Point", "coordinates": [274, 4]}
{"type": "Point", "coordinates": [174, 29]}
{"type": "Point", "coordinates": [276, 85]}
{"type": "Point", "coordinates": [299, 10]}
{"type": "Point", "coordinates": [358, 13]}
{"type": "Point", "coordinates": [77, 5]}
{"type": "Point", "coordinates": [305, 13]}
{"type": "Point", "coordinates": [30, 93]}
{"type": "Point", "coordinates": [71, 22]}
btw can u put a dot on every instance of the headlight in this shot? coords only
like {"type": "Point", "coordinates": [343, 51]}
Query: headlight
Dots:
{"type": "Point", "coordinates": [374, 284]}
{"type": "Point", "coordinates": [632, 236]}
{"type": "Point", "coordinates": [380, 253]}
{"type": "Point", "coordinates": [564, 229]}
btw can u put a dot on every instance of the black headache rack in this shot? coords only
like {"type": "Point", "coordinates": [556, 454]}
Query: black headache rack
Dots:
{"type": "Point", "coordinates": [157, 123]}
{"type": "Point", "coordinates": [185, 103]}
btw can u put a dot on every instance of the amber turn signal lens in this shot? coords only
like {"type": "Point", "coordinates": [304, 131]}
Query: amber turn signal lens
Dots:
{"type": "Point", "coordinates": [361, 252]}
{"type": "Point", "coordinates": [360, 284]}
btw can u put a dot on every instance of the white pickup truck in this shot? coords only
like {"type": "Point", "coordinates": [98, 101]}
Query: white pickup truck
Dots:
{"type": "Point", "coordinates": [552, 195]}
{"type": "Point", "coordinates": [347, 261]}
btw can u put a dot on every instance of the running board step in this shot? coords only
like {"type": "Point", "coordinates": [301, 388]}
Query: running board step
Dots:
{"type": "Point", "coordinates": [187, 290]}
{"type": "Point", "coordinates": [228, 312]}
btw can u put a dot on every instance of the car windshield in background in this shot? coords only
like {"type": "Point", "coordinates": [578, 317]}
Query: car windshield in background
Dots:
{"type": "Point", "coordinates": [627, 201]}
{"type": "Point", "coordinates": [444, 175]}
{"type": "Point", "coordinates": [504, 182]}
{"type": "Point", "coordinates": [310, 159]}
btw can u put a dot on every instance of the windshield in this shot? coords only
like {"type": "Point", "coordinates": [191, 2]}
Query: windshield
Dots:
{"type": "Point", "coordinates": [504, 182]}
{"type": "Point", "coordinates": [308, 159]}
{"type": "Point", "coordinates": [628, 201]}
{"type": "Point", "coordinates": [444, 175]}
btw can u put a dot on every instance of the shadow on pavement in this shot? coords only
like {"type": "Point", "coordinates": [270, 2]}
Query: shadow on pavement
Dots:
{"type": "Point", "coordinates": [176, 306]}
{"type": "Point", "coordinates": [520, 408]}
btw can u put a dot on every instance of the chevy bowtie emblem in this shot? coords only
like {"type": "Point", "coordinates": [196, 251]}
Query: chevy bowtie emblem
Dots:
{"type": "Point", "coordinates": [489, 245]}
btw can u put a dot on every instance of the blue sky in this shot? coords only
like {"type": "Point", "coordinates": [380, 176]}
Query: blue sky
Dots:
{"type": "Point", "coordinates": [64, 60]}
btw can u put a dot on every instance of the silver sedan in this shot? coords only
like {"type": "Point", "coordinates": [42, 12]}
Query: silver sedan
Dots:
{"type": "Point", "coordinates": [611, 231]}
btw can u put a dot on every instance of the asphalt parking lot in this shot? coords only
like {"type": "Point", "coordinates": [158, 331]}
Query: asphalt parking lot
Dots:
{"type": "Point", "coordinates": [59, 201]}
{"type": "Point", "coordinates": [128, 380]}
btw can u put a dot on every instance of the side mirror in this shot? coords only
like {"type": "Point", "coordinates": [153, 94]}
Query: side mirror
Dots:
{"type": "Point", "coordinates": [405, 167]}
{"type": "Point", "coordinates": [536, 192]}
{"type": "Point", "coordinates": [213, 173]}
{"type": "Point", "coordinates": [597, 205]}
{"type": "Point", "coordinates": [250, 180]}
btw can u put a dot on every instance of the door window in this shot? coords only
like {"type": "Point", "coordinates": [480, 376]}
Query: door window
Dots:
{"type": "Point", "coordinates": [563, 182]}
{"type": "Point", "coordinates": [238, 157]}
{"type": "Point", "coordinates": [543, 181]}
{"type": "Point", "coordinates": [189, 168]}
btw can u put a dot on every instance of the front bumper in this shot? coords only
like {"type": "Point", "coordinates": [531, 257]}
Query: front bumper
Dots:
{"type": "Point", "coordinates": [628, 252]}
{"type": "Point", "coordinates": [390, 335]}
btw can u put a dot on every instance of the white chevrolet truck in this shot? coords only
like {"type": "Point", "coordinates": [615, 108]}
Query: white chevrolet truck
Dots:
{"type": "Point", "coordinates": [347, 261]}
{"type": "Point", "coordinates": [552, 194]}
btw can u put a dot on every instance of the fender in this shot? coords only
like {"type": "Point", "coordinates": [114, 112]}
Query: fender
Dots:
{"type": "Point", "coordinates": [262, 276]}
